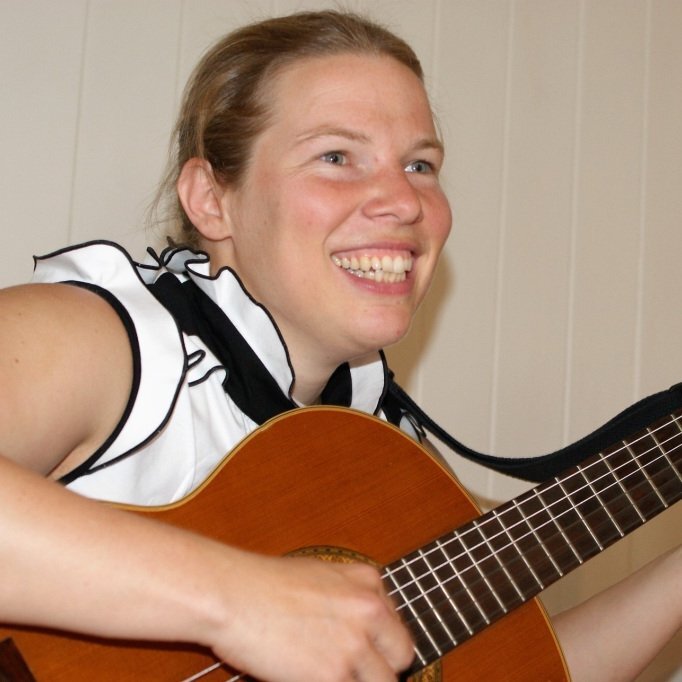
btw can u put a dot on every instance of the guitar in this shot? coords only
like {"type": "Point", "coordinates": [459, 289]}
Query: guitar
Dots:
{"type": "Point", "coordinates": [344, 486]}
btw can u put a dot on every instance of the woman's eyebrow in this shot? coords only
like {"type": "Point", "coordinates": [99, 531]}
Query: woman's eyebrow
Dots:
{"type": "Point", "coordinates": [430, 143]}
{"type": "Point", "coordinates": [356, 136]}
{"type": "Point", "coordinates": [332, 131]}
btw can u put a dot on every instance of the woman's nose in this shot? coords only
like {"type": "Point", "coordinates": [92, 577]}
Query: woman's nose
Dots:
{"type": "Point", "coordinates": [392, 195]}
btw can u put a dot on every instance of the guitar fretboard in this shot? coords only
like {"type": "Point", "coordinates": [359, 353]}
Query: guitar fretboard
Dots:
{"type": "Point", "coordinates": [452, 588]}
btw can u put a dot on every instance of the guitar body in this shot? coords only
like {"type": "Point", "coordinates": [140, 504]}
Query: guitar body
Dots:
{"type": "Point", "coordinates": [314, 478]}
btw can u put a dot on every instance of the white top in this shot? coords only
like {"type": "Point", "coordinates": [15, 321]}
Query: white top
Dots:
{"type": "Point", "coordinates": [180, 422]}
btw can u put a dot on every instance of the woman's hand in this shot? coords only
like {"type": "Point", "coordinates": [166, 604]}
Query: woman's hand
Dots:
{"type": "Point", "coordinates": [301, 619]}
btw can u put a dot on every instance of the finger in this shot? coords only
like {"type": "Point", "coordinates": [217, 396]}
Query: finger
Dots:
{"type": "Point", "coordinates": [394, 640]}
{"type": "Point", "coordinates": [394, 643]}
{"type": "Point", "coordinates": [373, 667]}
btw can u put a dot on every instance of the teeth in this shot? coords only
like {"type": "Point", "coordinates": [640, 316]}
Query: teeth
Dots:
{"type": "Point", "coordinates": [384, 269]}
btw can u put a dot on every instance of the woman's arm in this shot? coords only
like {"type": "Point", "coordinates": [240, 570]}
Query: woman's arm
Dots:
{"type": "Point", "coordinates": [80, 565]}
{"type": "Point", "coordinates": [614, 635]}
{"type": "Point", "coordinates": [65, 373]}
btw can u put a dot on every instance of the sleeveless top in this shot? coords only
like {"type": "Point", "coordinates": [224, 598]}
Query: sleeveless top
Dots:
{"type": "Point", "coordinates": [184, 414]}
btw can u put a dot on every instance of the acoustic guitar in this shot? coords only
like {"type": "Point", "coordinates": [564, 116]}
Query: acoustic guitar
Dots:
{"type": "Point", "coordinates": [343, 486]}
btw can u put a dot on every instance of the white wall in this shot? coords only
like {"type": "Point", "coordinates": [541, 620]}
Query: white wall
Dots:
{"type": "Point", "coordinates": [555, 305]}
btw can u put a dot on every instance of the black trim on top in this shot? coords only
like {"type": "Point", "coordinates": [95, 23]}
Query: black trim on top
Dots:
{"type": "Point", "coordinates": [248, 382]}
{"type": "Point", "coordinates": [256, 303]}
{"type": "Point", "coordinates": [87, 466]}
{"type": "Point", "coordinates": [96, 242]}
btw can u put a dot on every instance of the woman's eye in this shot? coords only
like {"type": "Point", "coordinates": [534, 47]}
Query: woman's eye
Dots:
{"type": "Point", "coordinates": [419, 167]}
{"type": "Point", "coordinates": [335, 158]}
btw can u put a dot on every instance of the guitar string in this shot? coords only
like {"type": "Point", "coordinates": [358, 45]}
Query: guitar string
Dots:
{"type": "Point", "coordinates": [563, 498]}
{"type": "Point", "coordinates": [479, 579]}
{"type": "Point", "coordinates": [202, 673]}
{"type": "Point", "coordinates": [416, 579]}
{"type": "Point", "coordinates": [449, 600]}
{"type": "Point", "coordinates": [505, 532]}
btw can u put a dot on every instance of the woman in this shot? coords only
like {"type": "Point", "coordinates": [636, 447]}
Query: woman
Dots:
{"type": "Point", "coordinates": [307, 170]}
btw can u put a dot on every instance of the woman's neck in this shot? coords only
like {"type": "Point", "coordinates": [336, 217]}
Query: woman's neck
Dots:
{"type": "Point", "coordinates": [310, 381]}
{"type": "Point", "coordinates": [308, 391]}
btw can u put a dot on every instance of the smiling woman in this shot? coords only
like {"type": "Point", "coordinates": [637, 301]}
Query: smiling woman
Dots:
{"type": "Point", "coordinates": [335, 172]}
{"type": "Point", "coordinates": [311, 219]}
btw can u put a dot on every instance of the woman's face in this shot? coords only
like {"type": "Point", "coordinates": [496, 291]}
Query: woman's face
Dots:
{"type": "Point", "coordinates": [339, 221]}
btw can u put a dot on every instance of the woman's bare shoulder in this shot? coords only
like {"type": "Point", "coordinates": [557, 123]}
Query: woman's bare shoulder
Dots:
{"type": "Point", "coordinates": [65, 372]}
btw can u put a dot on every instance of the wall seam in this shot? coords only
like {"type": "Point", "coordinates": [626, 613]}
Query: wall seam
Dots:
{"type": "Point", "coordinates": [575, 195]}
{"type": "Point", "coordinates": [79, 115]}
{"type": "Point", "coordinates": [502, 230]}
{"type": "Point", "coordinates": [639, 305]}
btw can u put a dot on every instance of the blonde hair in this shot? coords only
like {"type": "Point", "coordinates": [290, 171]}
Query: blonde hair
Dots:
{"type": "Point", "coordinates": [225, 104]}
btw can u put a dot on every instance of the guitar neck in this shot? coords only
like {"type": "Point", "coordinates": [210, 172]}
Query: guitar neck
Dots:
{"type": "Point", "coordinates": [457, 585]}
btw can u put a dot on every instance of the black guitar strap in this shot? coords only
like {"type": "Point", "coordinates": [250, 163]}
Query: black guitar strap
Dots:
{"type": "Point", "coordinates": [252, 388]}
{"type": "Point", "coordinates": [542, 467]}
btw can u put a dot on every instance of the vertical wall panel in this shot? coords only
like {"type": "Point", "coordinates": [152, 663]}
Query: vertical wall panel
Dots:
{"type": "Point", "coordinates": [534, 265]}
{"type": "Point", "coordinates": [40, 63]}
{"type": "Point", "coordinates": [661, 360]}
{"type": "Point", "coordinates": [127, 102]}
{"type": "Point", "coordinates": [608, 212]}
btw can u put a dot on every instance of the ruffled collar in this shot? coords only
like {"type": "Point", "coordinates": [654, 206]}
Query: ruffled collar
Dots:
{"type": "Point", "coordinates": [231, 317]}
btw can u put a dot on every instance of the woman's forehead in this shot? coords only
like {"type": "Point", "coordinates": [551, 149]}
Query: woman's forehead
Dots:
{"type": "Point", "coordinates": [348, 86]}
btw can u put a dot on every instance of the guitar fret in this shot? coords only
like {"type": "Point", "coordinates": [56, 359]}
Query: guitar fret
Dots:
{"type": "Point", "coordinates": [663, 467]}
{"type": "Point", "coordinates": [442, 591]}
{"type": "Point", "coordinates": [647, 477]}
{"type": "Point", "coordinates": [461, 565]}
{"type": "Point", "coordinates": [634, 477]}
{"type": "Point", "coordinates": [509, 555]}
{"type": "Point", "coordinates": [471, 541]}
{"type": "Point", "coordinates": [623, 489]}
{"type": "Point", "coordinates": [492, 553]}
{"type": "Point", "coordinates": [432, 598]}
{"type": "Point", "coordinates": [564, 505]}
{"type": "Point", "coordinates": [422, 612]}
{"type": "Point", "coordinates": [539, 585]}
{"type": "Point", "coordinates": [406, 601]}
{"type": "Point", "coordinates": [451, 582]}
{"type": "Point", "coordinates": [555, 513]}
{"type": "Point", "coordinates": [663, 451]}
{"type": "Point", "coordinates": [457, 619]}
{"type": "Point", "coordinates": [446, 574]}
{"type": "Point", "coordinates": [538, 520]}
{"type": "Point", "coordinates": [604, 505]}
{"type": "Point", "coordinates": [583, 520]}
{"type": "Point", "coordinates": [540, 544]}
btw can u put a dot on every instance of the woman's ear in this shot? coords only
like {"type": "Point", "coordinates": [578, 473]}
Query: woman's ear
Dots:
{"type": "Point", "coordinates": [200, 196]}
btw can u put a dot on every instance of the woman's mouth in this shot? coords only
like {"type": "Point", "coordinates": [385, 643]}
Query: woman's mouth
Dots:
{"type": "Point", "coordinates": [379, 268]}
